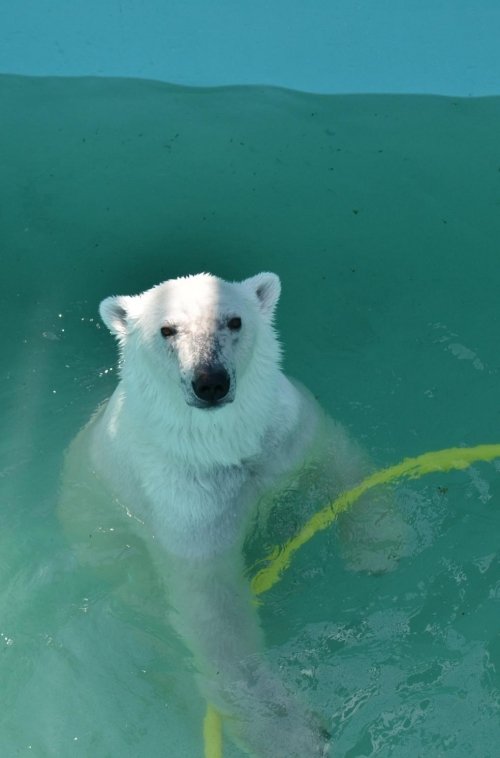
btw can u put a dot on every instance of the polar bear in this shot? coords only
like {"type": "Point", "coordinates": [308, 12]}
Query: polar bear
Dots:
{"type": "Point", "coordinates": [202, 427]}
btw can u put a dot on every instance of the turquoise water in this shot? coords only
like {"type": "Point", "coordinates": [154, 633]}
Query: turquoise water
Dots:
{"type": "Point", "coordinates": [382, 217]}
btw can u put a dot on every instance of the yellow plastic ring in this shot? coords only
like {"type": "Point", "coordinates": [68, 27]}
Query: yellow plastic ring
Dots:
{"type": "Point", "coordinates": [278, 560]}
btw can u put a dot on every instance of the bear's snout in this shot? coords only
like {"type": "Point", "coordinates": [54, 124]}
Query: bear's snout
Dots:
{"type": "Point", "coordinates": [211, 385]}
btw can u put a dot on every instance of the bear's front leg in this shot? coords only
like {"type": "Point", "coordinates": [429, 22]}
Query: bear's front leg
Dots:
{"type": "Point", "coordinates": [373, 534]}
{"type": "Point", "coordinates": [213, 611]}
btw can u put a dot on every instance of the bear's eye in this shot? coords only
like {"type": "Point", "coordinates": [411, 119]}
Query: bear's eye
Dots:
{"type": "Point", "coordinates": [168, 331]}
{"type": "Point", "coordinates": [234, 323]}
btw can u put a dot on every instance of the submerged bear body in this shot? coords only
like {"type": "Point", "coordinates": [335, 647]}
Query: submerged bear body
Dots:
{"type": "Point", "coordinates": [202, 426]}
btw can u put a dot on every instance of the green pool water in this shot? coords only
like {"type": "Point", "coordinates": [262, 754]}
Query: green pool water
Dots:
{"type": "Point", "coordinates": [381, 214]}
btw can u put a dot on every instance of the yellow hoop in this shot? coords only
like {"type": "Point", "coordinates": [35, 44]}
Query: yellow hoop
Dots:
{"type": "Point", "coordinates": [212, 733]}
{"type": "Point", "coordinates": [454, 458]}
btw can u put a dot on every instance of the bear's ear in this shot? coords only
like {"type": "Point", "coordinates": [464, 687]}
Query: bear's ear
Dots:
{"type": "Point", "coordinates": [267, 288]}
{"type": "Point", "coordinates": [114, 312]}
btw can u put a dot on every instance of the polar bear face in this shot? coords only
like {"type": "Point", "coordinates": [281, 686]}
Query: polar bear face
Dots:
{"type": "Point", "coordinates": [199, 335]}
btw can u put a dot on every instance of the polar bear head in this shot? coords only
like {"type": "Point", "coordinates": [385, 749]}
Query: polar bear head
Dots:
{"type": "Point", "coordinates": [197, 340]}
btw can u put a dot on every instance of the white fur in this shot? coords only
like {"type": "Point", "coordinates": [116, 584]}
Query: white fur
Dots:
{"type": "Point", "coordinates": [193, 476]}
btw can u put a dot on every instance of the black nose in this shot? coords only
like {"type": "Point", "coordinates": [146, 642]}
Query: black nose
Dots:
{"type": "Point", "coordinates": [211, 385]}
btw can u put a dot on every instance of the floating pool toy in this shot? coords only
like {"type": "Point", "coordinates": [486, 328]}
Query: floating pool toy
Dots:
{"type": "Point", "coordinates": [278, 560]}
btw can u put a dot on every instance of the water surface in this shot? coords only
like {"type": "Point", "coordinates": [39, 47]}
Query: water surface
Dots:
{"type": "Point", "coordinates": [382, 216]}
